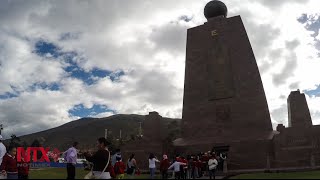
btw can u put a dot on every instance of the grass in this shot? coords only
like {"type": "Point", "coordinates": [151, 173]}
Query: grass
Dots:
{"type": "Point", "coordinates": [61, 173]}
{"type": "Point", "coordinates": [54, 173]}
{"type": "Point", "coordinates": [292, 175]}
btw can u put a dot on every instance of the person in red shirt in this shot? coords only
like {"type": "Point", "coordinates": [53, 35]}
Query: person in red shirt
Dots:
{"type": "Point", "coordinates": [184, 167]}
{"type": "Point", "coordinates": [194, 171]}
{"type": "Point", "coordinates": [9, 164]}
{"type": "Point", "coordinates": [179, 158]}
{"type": "Point", "coordinates": [198, 166]}
{"type": "Point", "coordinates": [205, 161]}
{"type": "Point", "coordinates": [164, 165]}
{"type": "Point", "coordinates": [23, 169]}
{"type": "Point", "coordinates": [119, 168]}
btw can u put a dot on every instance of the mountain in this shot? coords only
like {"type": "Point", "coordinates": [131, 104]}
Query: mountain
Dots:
{"type": "Point", "coordinates": [87, 130]}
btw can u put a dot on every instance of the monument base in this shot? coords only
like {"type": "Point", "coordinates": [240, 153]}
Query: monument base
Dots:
{"type": "Point", "coordinates": [241, 154]}
{"type": "Point", "coordinates": [142, 149]}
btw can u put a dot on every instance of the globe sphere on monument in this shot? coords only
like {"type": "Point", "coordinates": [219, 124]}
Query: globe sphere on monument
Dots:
{"type": "Point", "coordinates": [215, 8]}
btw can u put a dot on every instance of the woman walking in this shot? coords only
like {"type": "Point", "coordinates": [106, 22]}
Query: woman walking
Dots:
{"type": "Point", "coordinates": [131, 166]}
{"type": "Point", "coordinates": [102, 168]}
{"type": "Point", "coordinates": [152, 165]}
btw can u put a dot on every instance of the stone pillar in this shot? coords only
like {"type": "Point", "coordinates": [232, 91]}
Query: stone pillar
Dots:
{"type": "Point", "coordinates": [268, 162]}
{"type": "Point", "coordinates": [312, 162]}
{"type": "Point", "coordinates": [225, 167]}
{"type": "Point", "coordinates": [298, 110]}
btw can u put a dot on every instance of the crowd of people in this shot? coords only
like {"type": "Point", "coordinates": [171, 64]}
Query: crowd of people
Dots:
{"type": "Point", "coordinates": [107, 166]}
{"type": "Point", "coordinates": [104, 166]}
{"type": "Point", "coordinates": [192, 167]}
{"type": "Point", "coordinates": [110, 165]}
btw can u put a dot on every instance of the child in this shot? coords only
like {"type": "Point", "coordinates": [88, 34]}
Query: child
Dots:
{"type": "Point", "coordinates": [23, 169]}
{"type": "Point", "coordinates": [9, 164]}
{"type": "Point", "coordinates": [119, 168]}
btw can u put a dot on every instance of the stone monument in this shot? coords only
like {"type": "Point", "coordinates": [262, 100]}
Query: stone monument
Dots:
{"type": "Point", "coordinates": [298, 145]}
{"type": "Point", "coordinates": [298, 111]}
{"type": "Point", "coordinates": [225, 108]}
{"type": "Point", "coordinates": [224, 102]}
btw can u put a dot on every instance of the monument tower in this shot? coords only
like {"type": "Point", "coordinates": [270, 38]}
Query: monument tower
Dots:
{"type": "Point", "coordinates": [224, 101]}
{"type": "Point", "coordinates": [298, 110]}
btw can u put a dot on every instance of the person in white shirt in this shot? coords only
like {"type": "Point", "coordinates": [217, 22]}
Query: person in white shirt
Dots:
{"type": "Point", "coordinates": [70, 157]}
{"type": "Point", "coordinates": [152, 165]}
{"type": "Point", "coordinates": [176, 168]}
{"type": "Point", "coordinates": [212, 163]}
{"type": "Point", "coordinates": [3, 149]}
{"type": "Point", "coordinates": [115, 156]}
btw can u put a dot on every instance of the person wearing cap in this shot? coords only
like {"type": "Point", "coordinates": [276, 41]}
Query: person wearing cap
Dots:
{"type": "Point", "coordinates": [3, 149]}
{"type": "Point", "coordinates": [164, 165]}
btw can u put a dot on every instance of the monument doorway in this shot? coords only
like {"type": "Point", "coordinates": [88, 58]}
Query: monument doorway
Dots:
{"type": "Point", "coordinates": [222, 155]}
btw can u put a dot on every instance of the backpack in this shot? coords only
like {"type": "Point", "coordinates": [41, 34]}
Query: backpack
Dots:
{"type": "Point", "coordinates": [117, 168]}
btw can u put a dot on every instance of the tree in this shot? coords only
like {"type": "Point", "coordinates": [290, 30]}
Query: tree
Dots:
{"type": "Point", "coordinates": [35, 143]}
{"type": "Point", "coordinates": [14, 141]}
{"type": "Point", "coordinates": [25, 144]}
{"type": "Point", "coordinates": [174, 133]}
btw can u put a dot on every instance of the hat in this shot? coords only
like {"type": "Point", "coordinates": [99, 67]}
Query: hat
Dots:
{"type": "Point", "coordinates": [1, 138]}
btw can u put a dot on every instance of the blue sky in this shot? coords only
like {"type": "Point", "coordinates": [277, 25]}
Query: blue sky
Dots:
{"type": "Point", "coordinates": [43, 48]}
{"type": "Point", "coordinates": [7, 95]}
{"type": "Point", "coordinates": [81, 111]}
{"type": "Point", "coordinates": [314, 92]}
